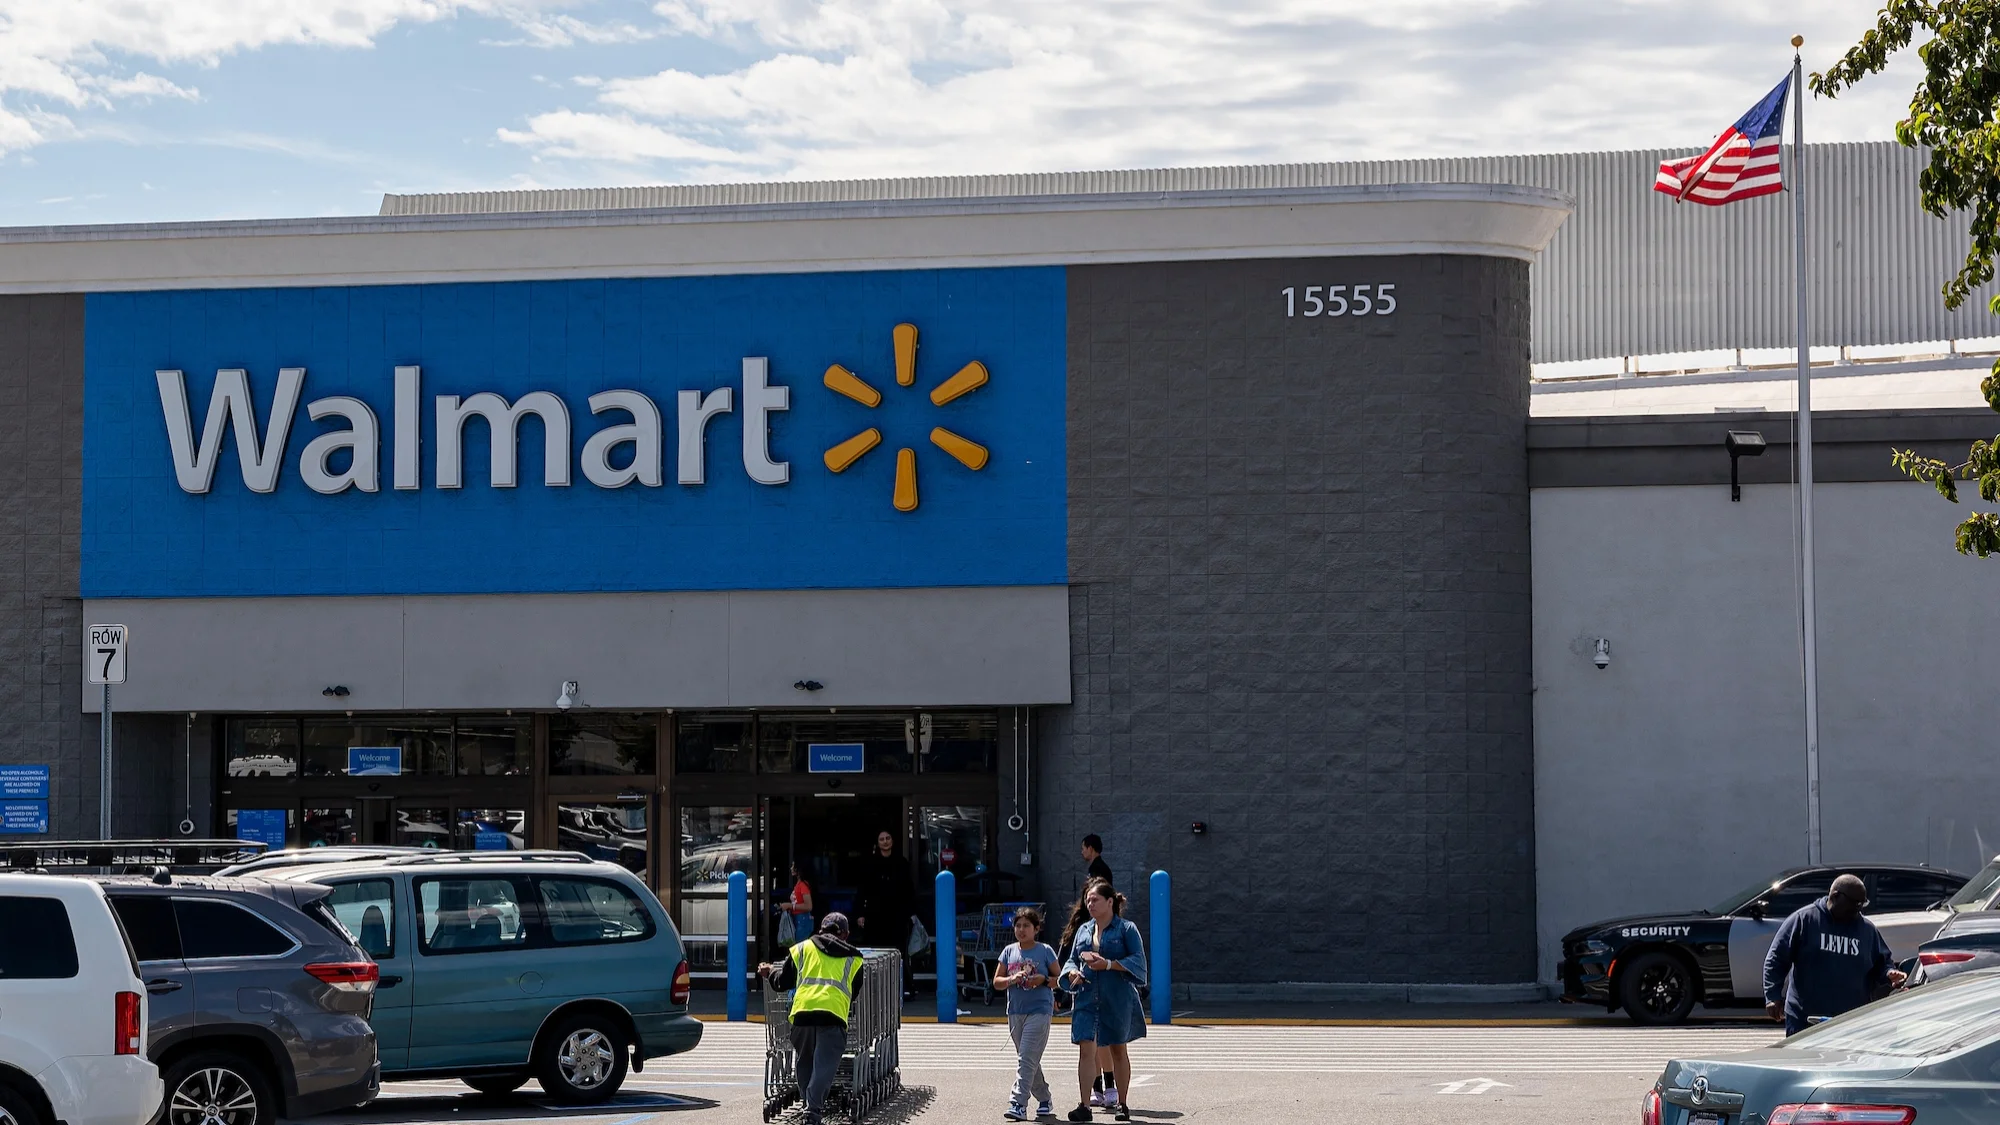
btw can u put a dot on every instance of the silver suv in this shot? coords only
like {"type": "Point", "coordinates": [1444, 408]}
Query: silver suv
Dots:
{"type": "Point", "coordinates": [259, 999]}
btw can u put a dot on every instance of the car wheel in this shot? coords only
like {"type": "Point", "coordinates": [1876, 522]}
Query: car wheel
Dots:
{"type": "Point", "coordinates": [583, 1060]}
{"type": "Point", "coordinates": [218, 1088]}
{"type": "Point", "coordinates": [1656, 989]}
{"type": "Point", "coordinates": [16, 1109]}
{"type": "Point", "coordinates": [493, 1085]}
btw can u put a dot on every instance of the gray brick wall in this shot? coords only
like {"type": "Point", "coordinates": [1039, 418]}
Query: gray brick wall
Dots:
{"type": "Point", "coordinates": [1300, 614]}
{"type": "Point", "coordinates": [41, 518]}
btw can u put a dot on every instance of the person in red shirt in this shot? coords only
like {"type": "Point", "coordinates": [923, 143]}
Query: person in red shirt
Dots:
{"type": "Point", "coordinates": [800, 905]}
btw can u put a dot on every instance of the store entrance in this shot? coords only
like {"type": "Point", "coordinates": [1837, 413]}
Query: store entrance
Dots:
{"type": "Point", "coordinates": [829, 836]}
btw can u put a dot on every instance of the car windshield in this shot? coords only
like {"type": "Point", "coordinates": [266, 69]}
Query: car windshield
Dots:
{"type": "Point", "coordinates": [1745, 897]}
{"type": "Point", "coordinates": [1977, 894]}
{"type": "Point", "coordinates": [1938, 1019]}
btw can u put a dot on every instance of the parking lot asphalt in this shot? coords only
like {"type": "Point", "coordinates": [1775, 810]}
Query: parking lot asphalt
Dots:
{"type": "Point", "coordinates": [1285, 1073]}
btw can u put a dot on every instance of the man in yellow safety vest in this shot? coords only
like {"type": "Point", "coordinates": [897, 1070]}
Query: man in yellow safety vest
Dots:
{"type": "Point", "coordinates": [824, 972]}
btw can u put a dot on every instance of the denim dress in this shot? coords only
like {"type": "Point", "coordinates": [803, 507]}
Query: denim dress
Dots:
{"type": "Point", "coordinates": [1107, 1005]}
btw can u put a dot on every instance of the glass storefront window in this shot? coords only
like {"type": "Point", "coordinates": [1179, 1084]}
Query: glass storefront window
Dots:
{"type": "Point", "coordinates": [701, 746]}
{"type": "Point", "coordinates": [262, 748]}
{"type": "Point", "coordinates": [327, 827]}
{"type": "Point", "coordinates": [952, 836]}
{"type": "Point", "coordinates": [602, 744]}
{"type": "Point", "coordinates": [494, 747]}
{"type": "Point", "coordinates": [615, 833]}
{"type": "Point", "coordinates": [424, 746]}
{"type": "Point", "coordinates": [422, 828]}
{"type": "Point", "coordinates": [782, 744]}
{"type": "Point", "coordinates": [490, 830]}
{"type": "Point", "coordinates": [962, 743]}
{"type": "Point", "coordinates": [715, 841]}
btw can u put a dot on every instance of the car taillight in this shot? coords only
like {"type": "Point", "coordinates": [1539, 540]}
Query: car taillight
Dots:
{"type": "Point", "coordinates": [1942, 958]}
{"type": "Point", "coordinates": [126, 1019]}
{"type": "Point", "coordinates": [1649, 1109]}
{"type": "Point", "coordinates": [683, 983]}
{"type": "Point", "coordinates": [347, 976]}
{"type": "Point", "coordinates": [1829, 1113]}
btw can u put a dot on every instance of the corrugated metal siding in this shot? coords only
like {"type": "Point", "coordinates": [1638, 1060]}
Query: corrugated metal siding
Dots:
{"type": "Point", "coordinates": [1632, 273]}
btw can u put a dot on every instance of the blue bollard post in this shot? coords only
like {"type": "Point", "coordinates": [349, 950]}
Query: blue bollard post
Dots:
{"type": "Point", "coordinates": [739, 946]}
{"type": "Point", "coordinates": [947, 947]}
{"type": "Point", "coordinates": [1162, 953]}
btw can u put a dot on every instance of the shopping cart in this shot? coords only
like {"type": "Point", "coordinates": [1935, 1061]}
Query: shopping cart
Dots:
{"type": "Point", "coordinates": [983, 935]}
{"type": "Point", "coordinates": [870, 1071]}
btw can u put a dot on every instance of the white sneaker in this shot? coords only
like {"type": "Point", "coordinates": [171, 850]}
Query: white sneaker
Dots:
{"type": "Point", "coordinates": [1110, 1096]}
{"type": "Point", "coordinates": [1046, 1109]}
{"type": "Point", "coordinates": [1097, 1099]}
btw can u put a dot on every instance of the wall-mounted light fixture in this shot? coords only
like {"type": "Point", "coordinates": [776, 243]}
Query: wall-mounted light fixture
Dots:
{"type": "Point", "coordinates": [567, 698]}
{"type": "Point", "coordinates": [1740, 444]}
{"type": "Point", "coordinates": [336, 691]}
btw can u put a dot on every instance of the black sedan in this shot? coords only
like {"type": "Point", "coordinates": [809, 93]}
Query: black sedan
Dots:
{"type": "Point", "coordinates": [1930, 1055]}
{"type": "Point", "coordinates": [1658, 967]}
{"type": "Point", "coordinates": [1967, 942]}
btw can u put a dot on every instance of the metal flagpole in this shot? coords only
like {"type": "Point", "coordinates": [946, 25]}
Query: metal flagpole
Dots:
{"type": "Point", "coordinates": [1805, 451]}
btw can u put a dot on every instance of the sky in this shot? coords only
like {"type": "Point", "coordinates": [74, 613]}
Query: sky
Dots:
{"type": "Point", "coordinates": [116, 111]}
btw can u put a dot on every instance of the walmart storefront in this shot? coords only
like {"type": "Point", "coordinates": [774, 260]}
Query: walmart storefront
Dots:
{"type": "Point", "coordinates": [721, 538]}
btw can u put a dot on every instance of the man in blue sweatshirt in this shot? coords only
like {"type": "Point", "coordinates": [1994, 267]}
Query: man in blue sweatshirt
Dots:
{"type": "Point", "coordinates": [1827, 959]}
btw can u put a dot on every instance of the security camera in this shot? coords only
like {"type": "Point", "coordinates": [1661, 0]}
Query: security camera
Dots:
{"type": "Point", "coordinates": [1602, 658]}
{"type": "Point", "coordinates": [567, 699]}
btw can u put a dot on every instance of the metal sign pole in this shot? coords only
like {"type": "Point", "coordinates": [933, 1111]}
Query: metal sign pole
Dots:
{"type": "Point", "coordinates": [104, 767]}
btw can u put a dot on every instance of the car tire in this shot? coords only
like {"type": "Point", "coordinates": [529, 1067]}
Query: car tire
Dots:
{"type": "Point", "coordinates": [236, 1086]}
{"type": "Point", "coordinates": [582, 1062]}
{"type": "Point", "coordinates": [1656, 989]}
{"type": "Point", "coordinates": [494, 1085]}
{"type": "Point", "coordinates": [16, 1109]}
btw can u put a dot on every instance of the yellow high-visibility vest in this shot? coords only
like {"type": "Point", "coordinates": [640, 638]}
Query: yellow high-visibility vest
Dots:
{"type": "Point", "coordinates": [826, 983]}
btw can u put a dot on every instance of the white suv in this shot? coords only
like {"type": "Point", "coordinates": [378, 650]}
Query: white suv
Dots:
{"type": "Point", "coordinates": [72, 1009]}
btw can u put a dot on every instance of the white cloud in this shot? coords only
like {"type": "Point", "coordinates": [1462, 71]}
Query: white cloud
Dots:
{"type": "Point", "coordinates": [569, 31]}
{"type": "Point", "coordinates": [66, 53]}
{"type": "Point", "coordinates": [844, 88]}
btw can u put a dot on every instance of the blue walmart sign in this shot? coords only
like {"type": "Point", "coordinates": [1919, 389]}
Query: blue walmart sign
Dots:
{"type": "Point", "coordinates": [777, 432]}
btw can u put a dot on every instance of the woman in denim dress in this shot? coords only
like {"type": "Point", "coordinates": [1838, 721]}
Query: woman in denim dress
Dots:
{"type": "Point", "coordinates": [1107, 964]}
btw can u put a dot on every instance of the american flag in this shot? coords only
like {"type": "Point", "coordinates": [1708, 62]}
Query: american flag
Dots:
{"type": "Point", "coordinates": [1741, 164]}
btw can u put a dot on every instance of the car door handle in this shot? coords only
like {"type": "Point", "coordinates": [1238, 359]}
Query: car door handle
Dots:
{"type": "Point", "coordinates": [388, 982]}
{"type": "Point", "coordinates": [163, 985]}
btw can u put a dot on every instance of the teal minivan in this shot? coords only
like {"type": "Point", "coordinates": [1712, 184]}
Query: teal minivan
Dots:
{"type": "Point", "coordinates": [498, 967]}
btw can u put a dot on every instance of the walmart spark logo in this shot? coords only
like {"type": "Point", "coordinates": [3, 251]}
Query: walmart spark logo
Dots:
{"type": "Point", "coordinates": [967, 452]}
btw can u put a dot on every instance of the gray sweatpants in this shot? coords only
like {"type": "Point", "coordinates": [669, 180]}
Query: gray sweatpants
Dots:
{"type": "Point", "coordinates": [816, 1053]}
{"type": "Point", "coordinates": [1030, 1032]}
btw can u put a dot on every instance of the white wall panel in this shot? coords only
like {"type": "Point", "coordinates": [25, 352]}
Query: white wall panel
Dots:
{"type": "Point", "coordinates": [1677, 774]}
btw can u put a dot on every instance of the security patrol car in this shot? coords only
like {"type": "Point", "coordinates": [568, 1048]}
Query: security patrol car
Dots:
{"type": "Point", "coordinates": [1657, 967]}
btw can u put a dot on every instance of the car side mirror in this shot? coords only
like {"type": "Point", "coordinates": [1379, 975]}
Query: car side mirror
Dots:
{"type": "Point", "coordinates": [1757, 911]}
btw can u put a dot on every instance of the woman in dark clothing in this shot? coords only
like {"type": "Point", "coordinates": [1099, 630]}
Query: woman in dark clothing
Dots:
{"type": "Point", "coordinates": [882, 909]}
